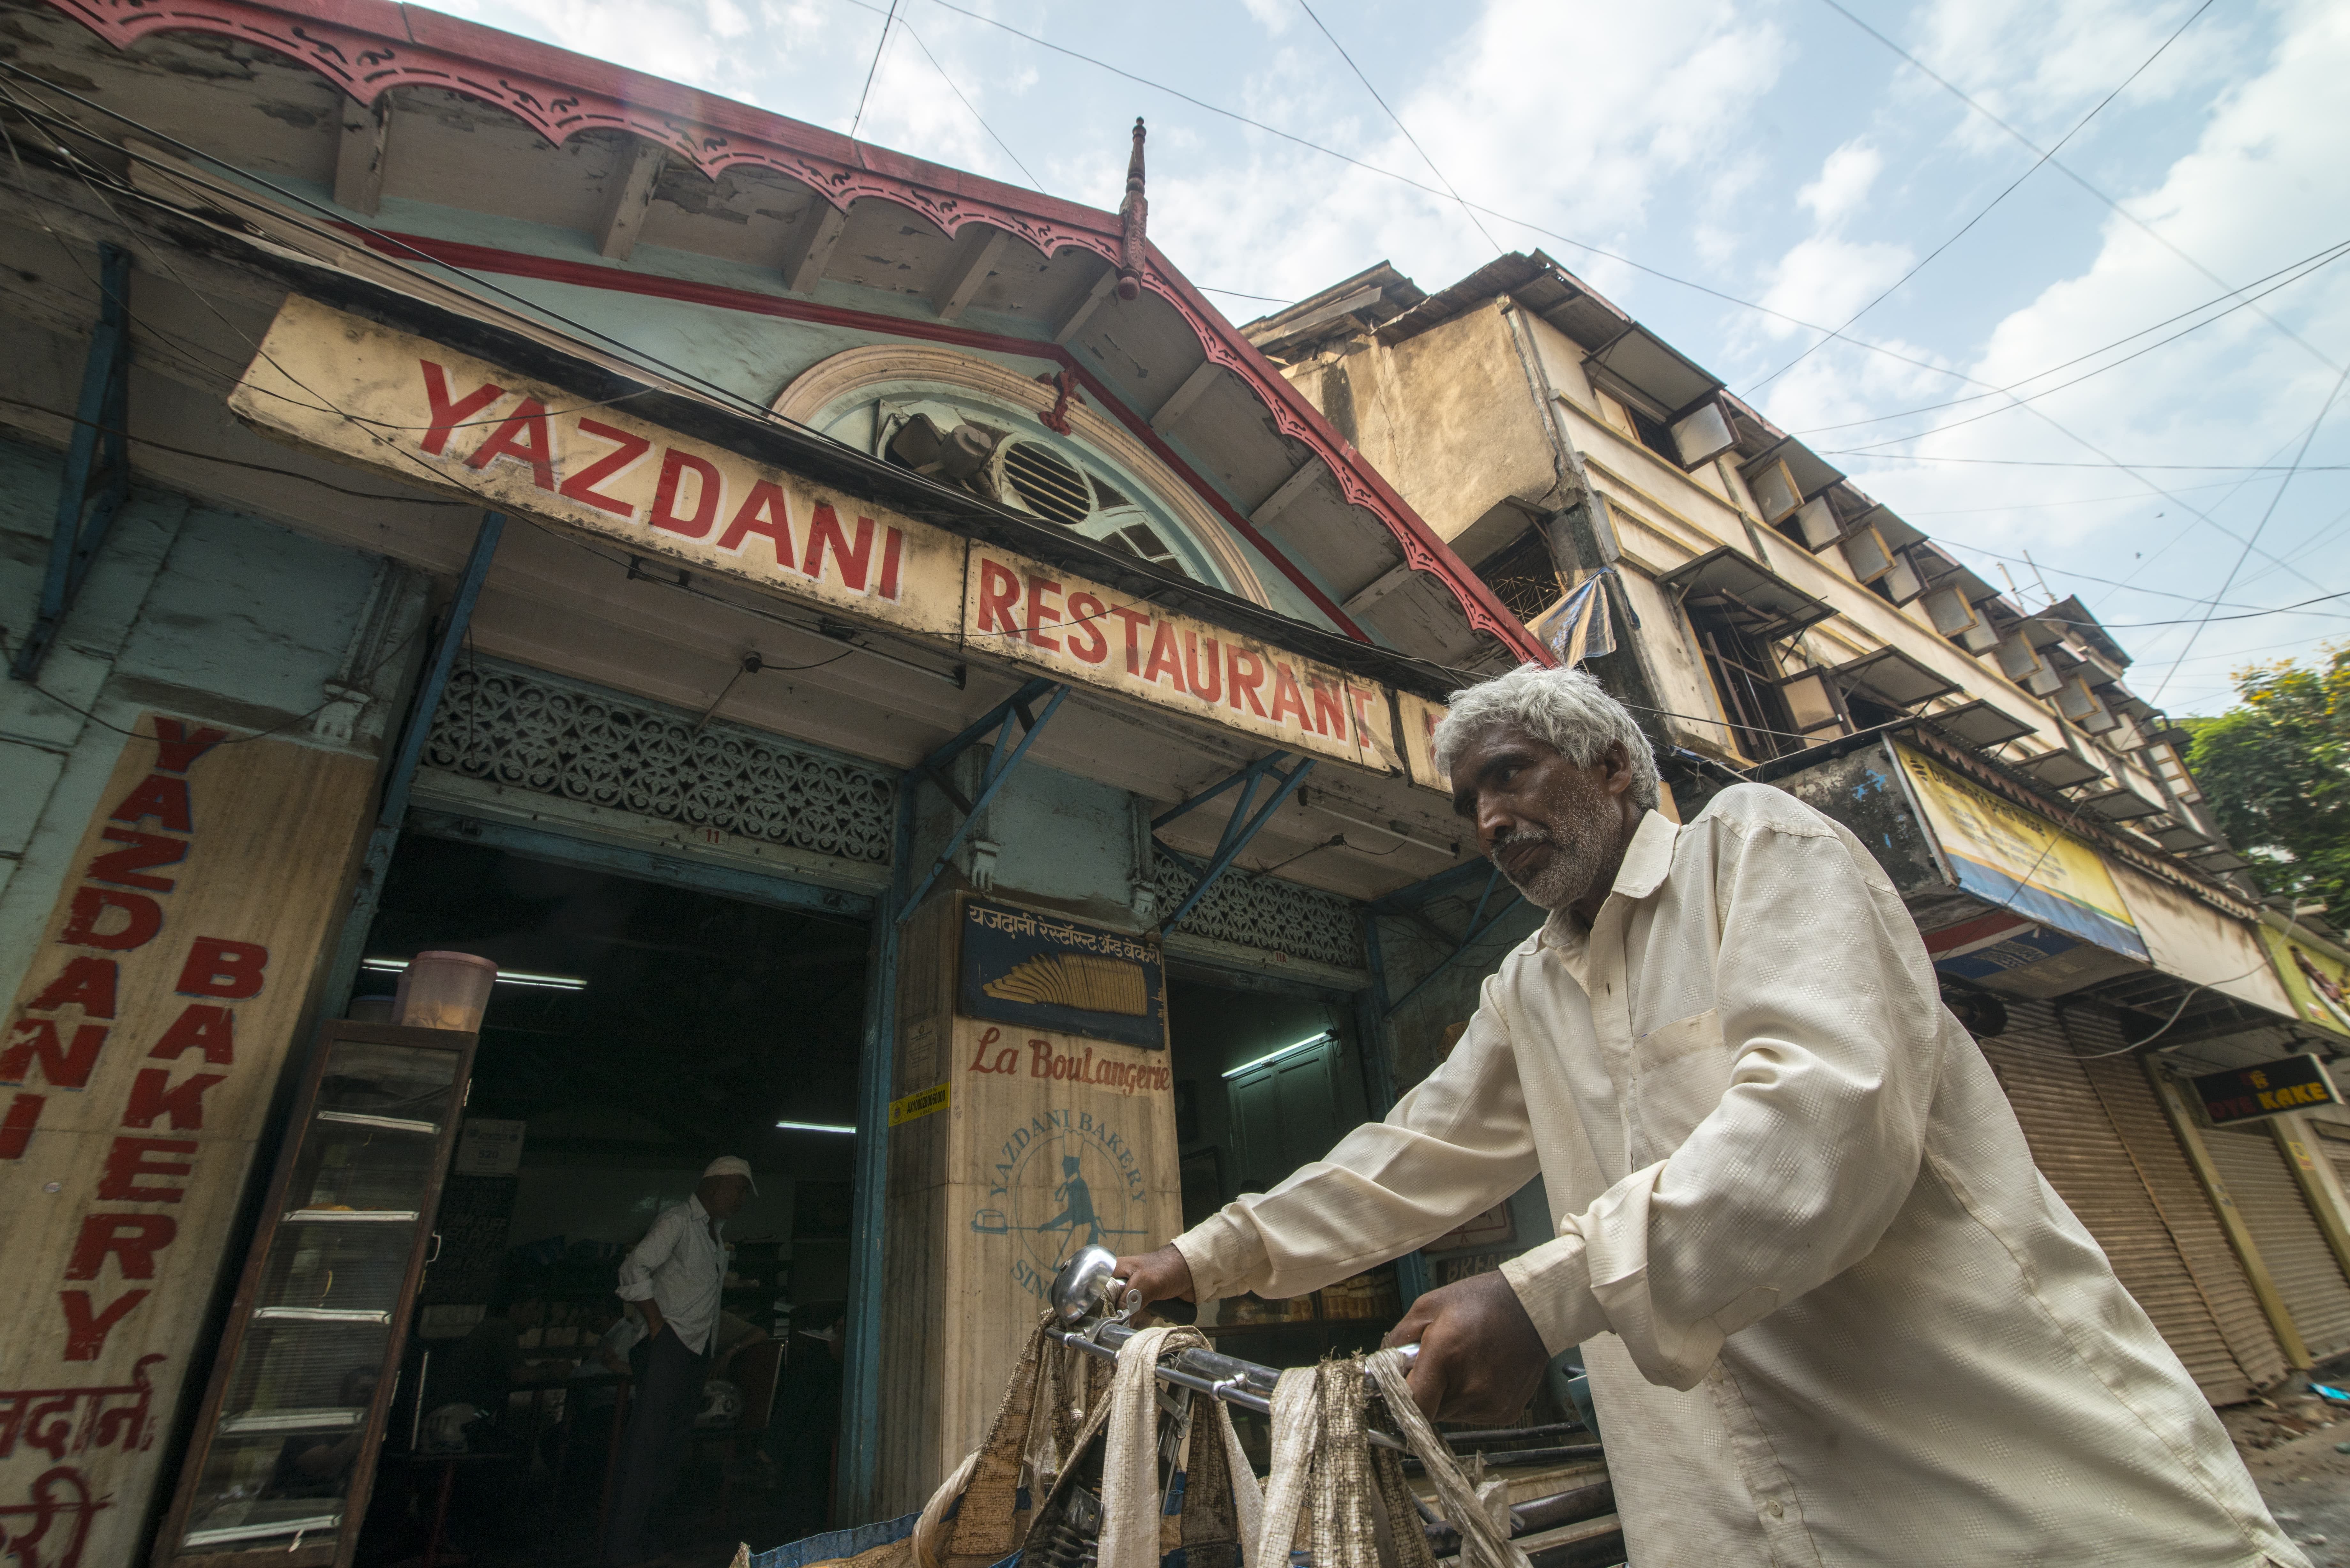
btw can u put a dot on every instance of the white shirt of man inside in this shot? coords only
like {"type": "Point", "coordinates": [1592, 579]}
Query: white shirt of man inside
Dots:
{"type": "Point", "coordinates": [1832, 1312]}
{"type": "Point", "coordinates": [681, 1267]}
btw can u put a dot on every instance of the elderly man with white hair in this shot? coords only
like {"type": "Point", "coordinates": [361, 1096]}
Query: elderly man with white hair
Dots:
{"type": "Point", "coordinates": [1832, 1312]}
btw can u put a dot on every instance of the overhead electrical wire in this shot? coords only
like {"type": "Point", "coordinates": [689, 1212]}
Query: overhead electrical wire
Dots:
{"type": "Point", "coordinates": [2126, 215]}
{"type": "Point", "coordinates": [2300, 269]}
{"type": "Point", "coordinates": [1308, 6]}
{"type": "Point", "coordinates": [2088, 375]}
{"type": "Point", "coordinates": [909, 28]}
{"type": "Point", "coordinates": [2135, 471]}
{"type": "Point", "coordinates": [2282, 486]}
{"type": "Point", "coordinates": [874, 69]}
{"type": "Point", "coordinates": [1960, 233]}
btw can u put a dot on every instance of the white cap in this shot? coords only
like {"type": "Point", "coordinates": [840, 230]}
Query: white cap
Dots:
{"type": "Point", "coordinates": [730, 1164]}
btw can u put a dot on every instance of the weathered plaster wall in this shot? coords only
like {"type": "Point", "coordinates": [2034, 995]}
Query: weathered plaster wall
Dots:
{"type": "Point", "coordinates": [1448, 417]}
{"type": "Point", "coordinates": [189, 609]}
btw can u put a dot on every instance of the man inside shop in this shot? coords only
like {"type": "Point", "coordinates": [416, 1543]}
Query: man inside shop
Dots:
{"type": "Point", "coordinates": [676, 1278]}
{"type": "Point", "coordinates": [1831, 1314]}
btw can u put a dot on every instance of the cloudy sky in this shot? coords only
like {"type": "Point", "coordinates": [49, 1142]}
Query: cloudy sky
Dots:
{"type": "Point", "coordinates": [2168, 296]}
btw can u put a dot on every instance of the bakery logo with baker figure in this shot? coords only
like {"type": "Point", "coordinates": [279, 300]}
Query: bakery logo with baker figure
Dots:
{"type": "Point", "coordinates": [1062, 1180]}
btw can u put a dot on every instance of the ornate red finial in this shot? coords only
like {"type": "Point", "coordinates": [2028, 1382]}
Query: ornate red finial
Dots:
{"type": "Point", "coordinates": [1133, 214]}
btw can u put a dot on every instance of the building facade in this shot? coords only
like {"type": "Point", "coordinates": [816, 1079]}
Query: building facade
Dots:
{"type": "Point", "coordinates": [1769, 622]}
{"type": "Point", "coordinates": [863, 649]}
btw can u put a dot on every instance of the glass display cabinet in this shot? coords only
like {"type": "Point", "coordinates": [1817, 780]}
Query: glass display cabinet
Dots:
{"type": "Point", "coordinates": [283, 1455]}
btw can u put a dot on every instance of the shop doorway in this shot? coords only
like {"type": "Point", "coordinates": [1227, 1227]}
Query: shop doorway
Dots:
{"type": "Point", "coordinates": [640, 1029]}
{"type": "Point", "coordinates": [1266, 1081]}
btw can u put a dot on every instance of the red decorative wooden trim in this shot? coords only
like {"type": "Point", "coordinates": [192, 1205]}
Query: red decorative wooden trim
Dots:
{"type": "Point", "coordinates": [368, 47]}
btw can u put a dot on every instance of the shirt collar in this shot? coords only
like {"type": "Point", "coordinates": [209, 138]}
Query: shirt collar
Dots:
{"type": "Point", "coordinates": [1647, 860]}
{"type": "Point", "coordinates": [694, 1209]}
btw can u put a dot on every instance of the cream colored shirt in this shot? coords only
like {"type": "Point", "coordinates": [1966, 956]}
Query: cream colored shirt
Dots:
{"type": "Point", "coordinates": [1832, 1312]}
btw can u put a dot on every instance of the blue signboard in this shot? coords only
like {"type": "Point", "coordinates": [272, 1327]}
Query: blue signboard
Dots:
{"type": "Point", "coordinates": [1046, 972]}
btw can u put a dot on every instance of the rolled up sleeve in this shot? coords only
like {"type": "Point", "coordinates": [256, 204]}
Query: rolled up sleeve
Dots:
{"type": "Point", "coordinates": [1825, 997]}
{"type": "Point", "coordinates": [1454, 1146]}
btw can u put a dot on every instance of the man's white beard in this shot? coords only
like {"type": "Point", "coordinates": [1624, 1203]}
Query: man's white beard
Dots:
{"type": "Point", "coordinates": [1580, 840]}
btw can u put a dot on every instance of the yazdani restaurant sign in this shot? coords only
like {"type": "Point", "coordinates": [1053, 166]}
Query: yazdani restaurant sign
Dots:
{"type": "Point", "coordinates": [420, 411]}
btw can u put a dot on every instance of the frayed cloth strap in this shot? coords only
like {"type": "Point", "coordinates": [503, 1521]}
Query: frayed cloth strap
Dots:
{"type": "Point", "coordinates": [1339, 1490]}
{"type": "Point", "coordinates": [1296, 1412]}
{"type": "Point", "coordinates": [1248, 1502]}
{"type": "Point", "coordinates": [1482, 1545]}
{"type": "Point", "coordinates": [1222, 1512]}
{"type": "Point", "coordinates": [1130, 1505]}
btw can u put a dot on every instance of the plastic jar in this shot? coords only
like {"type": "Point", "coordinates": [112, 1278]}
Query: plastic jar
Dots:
{"type": "Point", "coordinates": [445, 990]}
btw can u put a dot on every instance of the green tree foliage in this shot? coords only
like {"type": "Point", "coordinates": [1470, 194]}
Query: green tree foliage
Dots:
{"type": "Point", "coordinates": [2276, 771]}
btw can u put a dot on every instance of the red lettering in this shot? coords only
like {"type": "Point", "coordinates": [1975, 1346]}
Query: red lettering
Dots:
{"type": "Point", "coordinates": [1040, 1059]}
{"type": "Point", "coordinates": [164, 799]}
{"type": "Point", "coordinates": [1329, 711]}
{"type": "Point", "coordinates": [121, 867]}
{"type": "Point", "coordinates": [132, 1158]}
{"type": "Point", "coordinates": [1165, 658]}
{"type": "Point", "coordinates": [152, 1095]}
{"type": "Point", "coordinates": [1084, 611]}
{"type": "Point", "coordinates": [133, 1239]}
{"type": "Point", "coordinates": [764, 513]}
{"type": "Point", "coordinates": [176, 751]}
{"type": "Point", "coordinates": [1040, 613]}
{"type": "Point", "coordinates": [86, 1331]}
{"type": "Point", "coordinates": [627, 451]}
{"type": "Point", "coordinates": [16, 1127]}
{"type": "Point", "coordinates": [1213, 686]}
{"type": "Point", "coordinates": [85, 983]}
{"type": "Point", "coordinates": [893, 546]}
{"type": "Point", "coordinates": [218, 967]}
{"type": "Point", "coordinates": [1286, 697]}
{"type": "Point", "coordinates": [978, 1058]}
{"type": "Point", "coordinates": [199, 1027]}
{"type": "Point", "coordinates": [1134, 621]}
{"type": "Point", "coordinates": [523, 438]}
{"type": "Point", "coordinates": [142, 917]}
{"type": "Point", "coordinates": [448, 414]}
{"type": "Point", "coordinates": [1246, 674]}
{"type": "Point", "coordinates": [999, 590]}
{"type": "Point", "coordinates": [825, 533]}
{"type": "Point", "coordinates": [66, 1066]}
{"type": "Point", "coordinates": [707, 494]}
{"type": "Point", "coordinates": [1360, 701]}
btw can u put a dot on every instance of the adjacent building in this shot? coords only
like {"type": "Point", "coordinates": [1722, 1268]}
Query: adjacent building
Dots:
{"type": "Point", "coordinates": [1771, 621]}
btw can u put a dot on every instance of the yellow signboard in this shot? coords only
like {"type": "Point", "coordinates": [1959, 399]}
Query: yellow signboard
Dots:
{"type": "Point", "coordinates": [921, 1103]}
{"type": "Point", "coordinates": [2014, 857]}
{"type": "Point", "coordinates": [426, 413]}
{"type": "Point", "coordinates": [2318, 982]}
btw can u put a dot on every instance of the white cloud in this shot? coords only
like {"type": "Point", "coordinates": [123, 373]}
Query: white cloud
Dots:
{"type": "Point", "coordinates": [1679, 77]}
{"type": "Point", "coordinates": [1842, 186]}
{"type": "Point", "coordinates": [1274, 15]}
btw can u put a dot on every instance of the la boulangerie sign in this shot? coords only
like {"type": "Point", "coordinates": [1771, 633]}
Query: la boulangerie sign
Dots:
{"type": "Point", "coordinates": [421, 411]}
{"type": "Point", "coordinates": [136, 1068]}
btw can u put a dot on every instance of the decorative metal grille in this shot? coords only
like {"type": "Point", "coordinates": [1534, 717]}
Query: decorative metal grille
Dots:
{"type": "Point", "coordinates": [528, 729]}
{"type": "Point", "coordinates": [1267, 913]}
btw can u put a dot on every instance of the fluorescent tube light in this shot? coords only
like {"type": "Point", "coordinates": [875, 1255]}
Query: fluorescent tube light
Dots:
{"type": "Point", "coordinates": [814, 1126]}
{"type": "Point", "coordinates": [1305, 1044]}
{"type": "Point", "coordinates": [505, 976]}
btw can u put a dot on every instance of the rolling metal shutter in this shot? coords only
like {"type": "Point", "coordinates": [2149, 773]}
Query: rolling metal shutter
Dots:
{"type": "Point", "coordinates": [2101, 1139]}
{"type": "Point", "coordinates": [2291, 1243]}
{"type": "Point", "coordinates": [2335, 1142]}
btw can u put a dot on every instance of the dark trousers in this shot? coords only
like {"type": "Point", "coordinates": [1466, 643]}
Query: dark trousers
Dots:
{"type": "Point", "coordinates": [661, 1424]}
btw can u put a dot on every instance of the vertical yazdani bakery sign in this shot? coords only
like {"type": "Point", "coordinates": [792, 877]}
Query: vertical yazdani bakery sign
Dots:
{"type": "Point", "coordinates": [421, 411]}
{"type": "Point", "coordinates": [136, 1068]}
